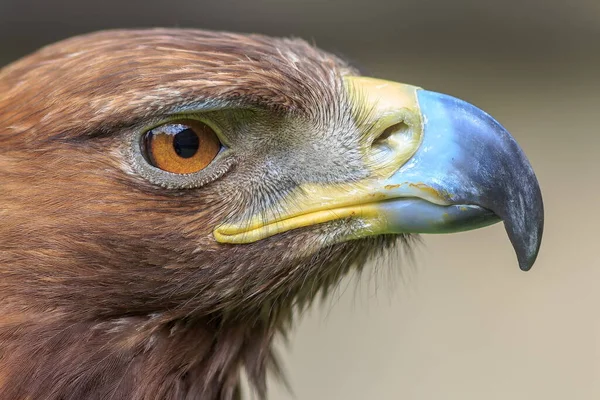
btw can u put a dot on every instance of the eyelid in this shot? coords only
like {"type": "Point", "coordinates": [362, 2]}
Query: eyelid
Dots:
{"type": "Point", "coordinates": [194, 117]}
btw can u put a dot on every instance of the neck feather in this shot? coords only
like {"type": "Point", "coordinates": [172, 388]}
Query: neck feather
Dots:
{"type": "Point", "coordinates": [135, 358]}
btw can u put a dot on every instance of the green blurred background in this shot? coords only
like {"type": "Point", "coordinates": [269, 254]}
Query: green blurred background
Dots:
{"type": "Point", "coordinates": [460, 321]}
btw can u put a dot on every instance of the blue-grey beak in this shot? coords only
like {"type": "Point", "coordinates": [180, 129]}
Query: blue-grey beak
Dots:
{"type": "Point", "coordinates": [479, 173]}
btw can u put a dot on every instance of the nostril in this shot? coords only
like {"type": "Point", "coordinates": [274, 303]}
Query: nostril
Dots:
{"type": "Point", "coordinates": [394, 146]}
{"type": "Point", "coordinates": [390, 133]}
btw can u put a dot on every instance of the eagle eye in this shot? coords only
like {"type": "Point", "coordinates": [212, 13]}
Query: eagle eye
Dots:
{"type": "Point", "coordinates": [181, 147]}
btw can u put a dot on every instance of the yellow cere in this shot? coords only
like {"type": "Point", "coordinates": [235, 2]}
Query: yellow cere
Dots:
{"type": "Point", "coordinates": [394, 105]}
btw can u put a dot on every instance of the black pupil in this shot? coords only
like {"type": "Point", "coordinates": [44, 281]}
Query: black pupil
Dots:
{"type": "Point", "coordinates": [186, 143]}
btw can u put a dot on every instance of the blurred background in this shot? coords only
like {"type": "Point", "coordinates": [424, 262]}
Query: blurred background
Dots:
{"type": "Point", "coordinates": [460, 321]}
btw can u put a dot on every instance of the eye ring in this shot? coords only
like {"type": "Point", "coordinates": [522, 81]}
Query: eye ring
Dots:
{"type": "Point", "coordinates": [180, 147]}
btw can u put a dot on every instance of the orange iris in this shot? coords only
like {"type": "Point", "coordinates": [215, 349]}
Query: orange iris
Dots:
{"type": "Point", "coordinates": [182, 147]}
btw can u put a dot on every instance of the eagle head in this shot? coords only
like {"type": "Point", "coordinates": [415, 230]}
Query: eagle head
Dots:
{"type": "Point", "coordinates": [170, 197]}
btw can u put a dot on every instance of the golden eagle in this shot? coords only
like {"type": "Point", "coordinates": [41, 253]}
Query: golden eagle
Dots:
{"type": "Point", "coordinates": [169, 198]}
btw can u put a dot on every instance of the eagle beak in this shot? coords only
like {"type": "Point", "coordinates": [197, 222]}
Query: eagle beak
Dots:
{"type": "Point", "coordinates": [440, 165]}
{"type": "Point", "coordinates": [467, 173]}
